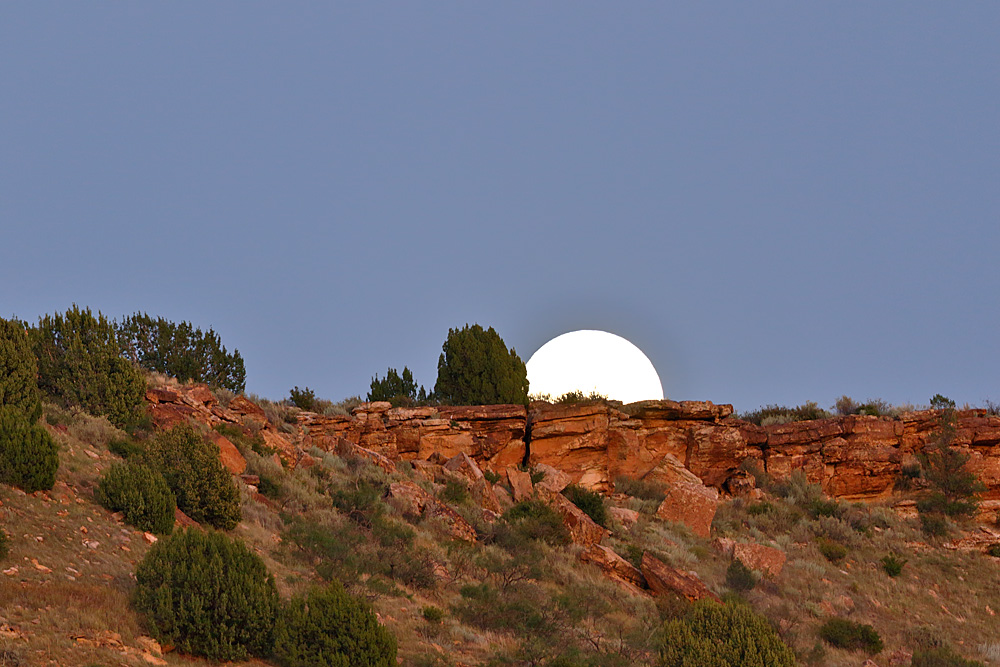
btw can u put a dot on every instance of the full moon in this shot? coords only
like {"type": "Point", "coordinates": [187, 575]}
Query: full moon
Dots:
{"type": "Point", "coordinates": [593, 361]}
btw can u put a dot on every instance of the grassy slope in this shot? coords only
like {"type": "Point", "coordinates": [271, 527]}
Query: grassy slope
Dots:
{"type": "Point", "coordinates": [86, 591]}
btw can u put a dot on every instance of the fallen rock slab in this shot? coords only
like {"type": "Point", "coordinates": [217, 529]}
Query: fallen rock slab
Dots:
{"type": "Point", "coordinates": [613, 565]}
{"type": "Point", "coordinates": [665, 580]}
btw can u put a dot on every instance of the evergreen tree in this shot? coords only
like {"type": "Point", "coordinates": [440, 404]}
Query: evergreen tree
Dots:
{"type": "Point", "coordinates": [954, 488]}
{"type": "Point", "coordinates": [18, 371]}
{"type": "Point", "coordinates": [476, 368]}
{"type": "Point", "coordinates": [29, 457]}
{"type": "Point", "coordinates": [80, 363]}
{"type": "Point", "coordinates": [181, 351]}
{"type": "Point", "coordinates": [398, 390]}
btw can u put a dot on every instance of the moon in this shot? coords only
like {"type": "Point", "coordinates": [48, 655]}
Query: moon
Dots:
{"type": "Point", "coordinates": [593, 361]}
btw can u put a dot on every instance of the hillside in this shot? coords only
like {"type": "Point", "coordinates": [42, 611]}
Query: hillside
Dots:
{"type": "Point", "coordinates": [412, 512]}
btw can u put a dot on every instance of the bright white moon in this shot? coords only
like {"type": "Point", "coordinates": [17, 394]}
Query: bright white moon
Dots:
{"type": "Point", "coordinates": [593, 361]}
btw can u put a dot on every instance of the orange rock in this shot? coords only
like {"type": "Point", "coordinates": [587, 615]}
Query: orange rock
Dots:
{"type": "Point", "coordinates": [582, 529]}
{"type": "Point", "coordinates": [626, 517]}
{"type": "Point", "coordinates": [520, 483]}
{"type": "Point", "coordinates": [613, 565]}
{"type": "Point", "coordinates": [665, 580]}
{"type": "Point", "coordinates": [183, 520]}
{"type": "Point", "coordinates": [200, 395]}
{"type": "Point", "coordinates": [243, 407]}
{"type": "Point", "coordinates": [414, 501]}
{"type": "Point", "coordinates": [228, 454]}
{"type": "Point", "coordinates": [553, 480]}
{"type": "Point", "coordinates": [759, 557]}
{"type": "Point", "coordinates": [687, 500]}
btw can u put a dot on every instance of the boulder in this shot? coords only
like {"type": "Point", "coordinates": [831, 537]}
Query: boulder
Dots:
{"type": "Point", "coordinates": [243, 407]}
{"type": "Point", "coordinates": [520, 483]}
{"type": "Point", "coordinates": [665, 580]}
{"type": "Point", "coordinates": [228, 454]}
{"type": "Point", "coordinates": [626, 517]}
{"type": "Point", "coordinates": [553, 480]}
{"type": "Point", "coordinates": [613, 565]}
{"type": "Point", "coordinates": [761, 558]}
{"type": "Point", "coordinates": [414, 501]}
{"type": "Point", "coordinates": [200, 395]}
{"type": "Point", "coordinates": [462, 464]}
{"type": "Point", "coordinates": [347, 448]}
{"type": "Point", "coordinates": [687, 500]}
{"type": "Point", "coordinates": [582, 529]}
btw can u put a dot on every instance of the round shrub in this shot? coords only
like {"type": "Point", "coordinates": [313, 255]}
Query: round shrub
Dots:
{"type": "Point", "coordinates": [329, 628]}
{"type": "Point", "coordinates": [832, 551]}
{"type": "Point", "coordinates": [140, 494]}
{"type": "Point", "coordinates": [4, 548]}
{"type": "Point", "coordinates": [590, 502]}
{"type": "Point", "coordinates": [534, 520]}
{"type": "Point", "coordinates": [715, 635]}
{"type": "Point", "coordinates": [203, 487]}
{"type": "Point", "coordinates": [29, 457]}
{"type": "Point", "coordinates": [892, 565]}
{"type": "Point", "coordinates": [843, 633]}
{"type": "Point", "coordinates": [207, 595]}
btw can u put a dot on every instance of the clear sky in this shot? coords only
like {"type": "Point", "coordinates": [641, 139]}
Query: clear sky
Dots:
{"type": "Point", "coordinates": [777, 202]}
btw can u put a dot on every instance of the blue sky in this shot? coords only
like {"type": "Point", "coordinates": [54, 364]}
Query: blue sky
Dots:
{"type": "Point", "coordinates": [778, 203]}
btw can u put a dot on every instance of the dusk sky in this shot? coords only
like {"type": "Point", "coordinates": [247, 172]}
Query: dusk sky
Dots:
{"type": "Point", "coordinates": [777, 202]}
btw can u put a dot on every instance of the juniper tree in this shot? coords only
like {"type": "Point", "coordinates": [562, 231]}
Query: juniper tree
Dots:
{"type": "Point", "coordinates": [476, 368]}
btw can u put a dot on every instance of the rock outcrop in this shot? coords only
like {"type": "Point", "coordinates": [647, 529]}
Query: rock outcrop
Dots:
{"type": "Point", "coordinates": [855, 457]}
{"type": "Point", "coordinates": [665, 580]}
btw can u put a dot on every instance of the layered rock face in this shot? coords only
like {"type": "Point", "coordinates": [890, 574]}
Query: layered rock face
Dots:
{"type": "Point", "coordinates": [492, 435]}
{"type": "Point", "coordinates": [855, 457]}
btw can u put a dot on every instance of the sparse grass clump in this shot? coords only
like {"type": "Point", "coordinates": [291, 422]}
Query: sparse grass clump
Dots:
{"type": "Point", "coordinates": [329, 628]}
{"type": "Point", "coordinates": [943, 656]}
{"type": "Point", "coordinates": [208, 595]}
{"type": "Point", "coordinates": [639, 488]}
{"type": "Point", "coordinates": [842, 633]}
{"type": "Point", "coordinates": [780, 414]}
{"type": "Point", "coordinates": [140, 494]}
{"type": "Point", "coordinates": [832, 551]}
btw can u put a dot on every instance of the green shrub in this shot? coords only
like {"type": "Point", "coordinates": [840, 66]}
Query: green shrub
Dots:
{"type": "Point", "coordinates": [80, 363]}
{"type": "Point", "coordinates": [935, 525]}
{"type": "Point", "coordinates": [207, 595]}
{"type": "Point", "coordinates": [476, 368]}
{"type": "Point", "coordinates": [432, 614]}
{"type": "Point", "coordinates": [181, 351]}
{"type": "Point", "coordinates": [398, 390]}
{"type": "Point", "coordinates": [820, 507]}
{"type": "Point", "coordinates": [590, 502]}
{"type": "Point", "coordinates": [329, 628]}
{"type": "Point", "coordinates": [491, 477]}
{"type": "Point", "coordinates": [908, 476]}
{"type": "Point", "coordinates": [714, 635]}
{"type": "Point", "coordinates": [759, 508]}
{"type": "Point", "coordinates": [29, 457]}
{"type": "Point", "coordinates": [304, 399]}
{"type": "Point", "coordinates": [140, 494]}
{"type": "Point", "coordinates": [994, 550]}
{"type": "Point", "coordinates": [943, 656]}
{"type": "Point", "coordinates": [832, 551]}
{"type": "Point", "coordinates": [18, 371]}
{"type": "Point", "coordinates": [4, 546]}
{"type": "Point", "coordinates": [892, 565]}
{"type": "Point", "coordinates": [126, 448]}
{"type": "Point", "coordinates": [842, 633]}
{"type": "Point", "coordinates": [534, 520]}
{"type": "Point", "coordinates": [739, 577]}
{"type": "Point", "coordinates": [203, 487]}
{"type": "Point", "coordinates": [454, 492]}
